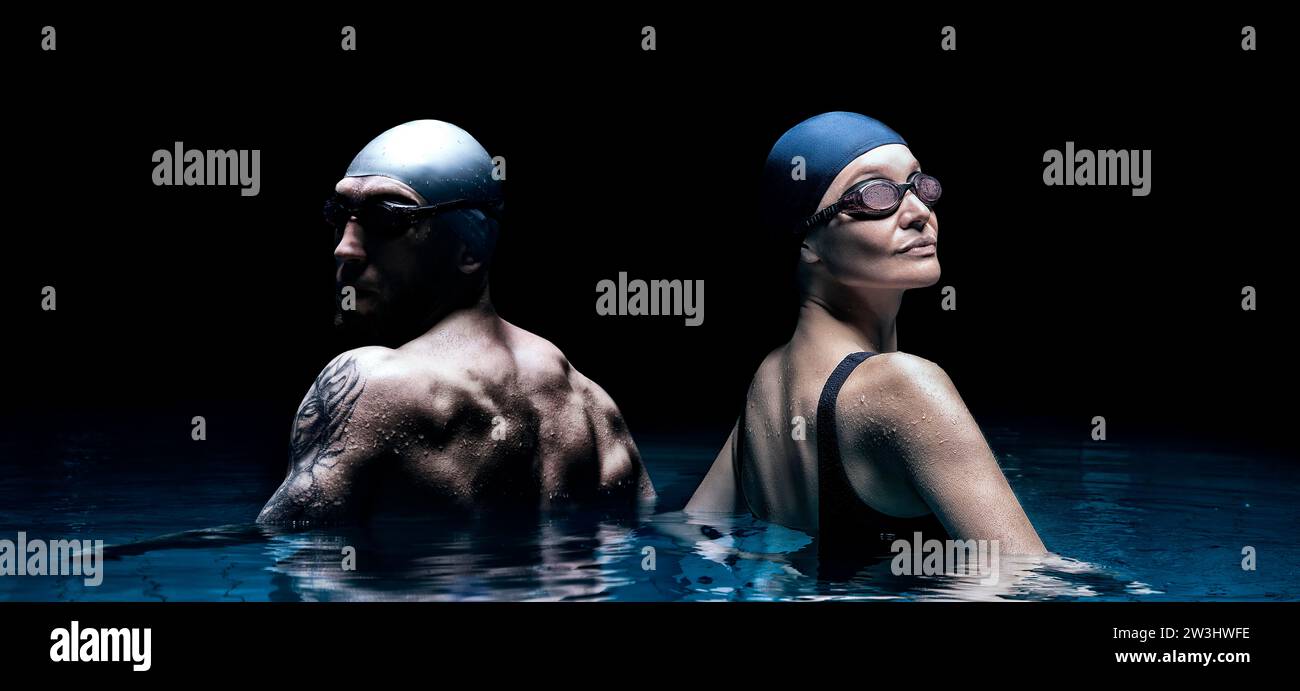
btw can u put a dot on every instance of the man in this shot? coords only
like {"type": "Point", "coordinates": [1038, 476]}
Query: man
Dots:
{"type": "Point", "coordinates": [468, 410]}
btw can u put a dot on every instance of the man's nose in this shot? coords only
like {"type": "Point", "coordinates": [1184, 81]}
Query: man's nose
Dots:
{"type": "Point", "coordinates": [351, 247]}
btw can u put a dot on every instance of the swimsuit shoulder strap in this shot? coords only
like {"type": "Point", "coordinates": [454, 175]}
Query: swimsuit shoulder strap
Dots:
{"type": "Point", "coordinates": [828, 447]}
{"type": "Point", "coordinates": [831, 476]}
{"type": "Point", "coordinates": [834, 491]}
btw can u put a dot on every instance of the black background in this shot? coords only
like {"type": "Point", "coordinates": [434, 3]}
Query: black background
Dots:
{"type": "Point", "coordinates": [1072, 302]}
{"type": "Point", "coordinates": [670, 643]}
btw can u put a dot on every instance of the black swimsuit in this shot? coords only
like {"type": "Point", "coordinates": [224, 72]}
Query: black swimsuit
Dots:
{"type": "Point", "coordinates": [846, 523]}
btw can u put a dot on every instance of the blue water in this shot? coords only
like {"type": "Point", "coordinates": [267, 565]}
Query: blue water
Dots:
{"type": "Point", "coordinates": [1124, 522]}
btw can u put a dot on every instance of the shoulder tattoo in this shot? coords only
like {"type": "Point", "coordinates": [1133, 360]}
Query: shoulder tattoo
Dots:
{"type": "Point", "coordinates": [324, 413]}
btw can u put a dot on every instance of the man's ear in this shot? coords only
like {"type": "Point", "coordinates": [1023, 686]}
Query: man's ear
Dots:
{"type": "Point", "coordinates": [467, 261]}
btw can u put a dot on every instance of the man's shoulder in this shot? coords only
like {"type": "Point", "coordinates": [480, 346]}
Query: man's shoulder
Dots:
{"type": "Point", "coordinates": [441, 381]}
{"type": "Point", "coordinates": [412, 382]}
{"type": "Point", "coordinates": [542, 367]}
{"type": "Point", "coordinates": [535, 357]}
{"type": "Point", "coordinates": [397, 384]}
{"type": "Point", "coordinates": [373, 369]}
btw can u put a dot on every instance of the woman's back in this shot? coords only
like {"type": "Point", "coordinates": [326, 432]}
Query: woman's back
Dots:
{"type": "Point", "coordinates": [804, 455]}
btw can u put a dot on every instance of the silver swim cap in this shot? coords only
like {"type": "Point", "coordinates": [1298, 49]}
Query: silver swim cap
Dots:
{"type": "Point", "coordinates": [437, 159]}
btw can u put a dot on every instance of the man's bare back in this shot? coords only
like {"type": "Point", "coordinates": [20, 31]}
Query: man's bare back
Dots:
{"type": "Point", "coordinates": [475, 412]}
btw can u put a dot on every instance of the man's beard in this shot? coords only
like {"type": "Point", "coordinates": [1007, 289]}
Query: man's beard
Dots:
{"type": "Point", "coordinates": [352, 329]}
{"type": "Point", "coordinates": [397, 321]}
{"type": "Point", "coordinates": [386, 324]}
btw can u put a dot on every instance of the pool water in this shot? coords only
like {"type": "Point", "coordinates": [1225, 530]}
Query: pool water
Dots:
{"type": "Point", "coordinates": [1124, 523]}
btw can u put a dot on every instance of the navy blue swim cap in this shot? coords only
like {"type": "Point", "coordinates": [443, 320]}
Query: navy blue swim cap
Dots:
{"type": "Point", "coordinates": [827, 143]}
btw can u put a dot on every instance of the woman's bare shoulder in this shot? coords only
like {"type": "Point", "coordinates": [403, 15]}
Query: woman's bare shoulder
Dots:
{"type": "Point", "coordinates": [905, 399]}
{"type": "Point", "coordinates": [902, 375]}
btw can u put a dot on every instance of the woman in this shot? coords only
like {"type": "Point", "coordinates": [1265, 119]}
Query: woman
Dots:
{"type": "Point", "coordinates": [842, 434]}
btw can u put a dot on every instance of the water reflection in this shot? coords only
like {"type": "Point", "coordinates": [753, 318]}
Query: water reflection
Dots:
{"type": "Point", "coordinates": [1131, 522]}
{"type": "Point", "coordinates": [742, 558]}
{"type": "Point", "coordinates": [569, 557]}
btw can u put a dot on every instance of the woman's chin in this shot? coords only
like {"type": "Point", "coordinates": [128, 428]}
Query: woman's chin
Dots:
{"type": "Point", "coordinates": [924, 276]}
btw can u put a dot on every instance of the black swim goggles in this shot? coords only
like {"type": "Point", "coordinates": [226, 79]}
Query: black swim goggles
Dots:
{"type": "Point", "coordinates": [878, 198]}
{"type": "Point", "coordinates": [389, 218]}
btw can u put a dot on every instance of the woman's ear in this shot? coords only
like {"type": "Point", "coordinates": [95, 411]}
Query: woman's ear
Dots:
{"type": "Point", "coordinates": [807, 253]}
